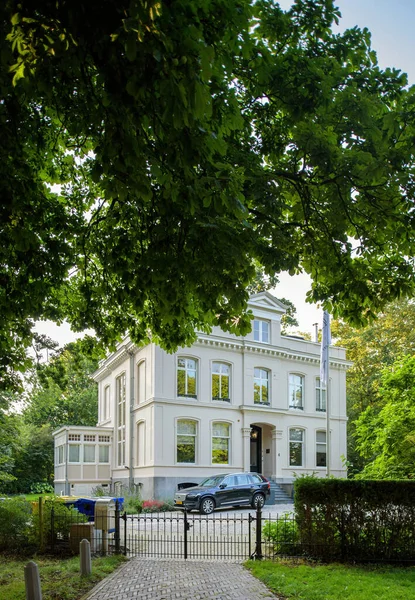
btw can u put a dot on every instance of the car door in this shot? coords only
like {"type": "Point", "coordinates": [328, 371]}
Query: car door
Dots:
{"type": "Point", "coordinates": [243, 493]}
{"type": "Point", "coordinates": [227, 491]}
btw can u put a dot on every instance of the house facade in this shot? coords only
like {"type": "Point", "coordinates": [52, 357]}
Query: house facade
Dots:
{"type": "Point", "coordinates": [225, 404]}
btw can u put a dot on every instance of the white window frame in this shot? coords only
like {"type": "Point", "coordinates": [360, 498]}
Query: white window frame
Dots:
{"type": "Point", "coordinates": [140, 458]}
{"type": "Point", "coordinates": [262, 331]}
{"type": "Point", "coordinates": [74, 462]}
{"type": "Point", "coordinates": [195, 436]}
{"type": "Point", "coordinates": [186, 370]}
{"type": "Point", "coordinates": [89, 462]}
{"type": "Point", "coordinates": [321, 396]}
{"type": "Point", "coordinates": [294, 385]}
{"type": "Point", "coordinates": [321, 444]}
{"type": "Point", "coordinates": [221, 375]}
{"type": "Point", "coordinates": [106, 403]}
{"type": "Point", "coordinates": [121, 401]}
{"type": "Point", "coordinates": [228, 437]}
{"type": "Point", "coordinates": [108, 447]}
{"type": "Point", "coordinates": [141, 371]}
{"type": "Point", "coordinates": [260, 379]}
{"type": "Point", "coordinates": [302, 442]}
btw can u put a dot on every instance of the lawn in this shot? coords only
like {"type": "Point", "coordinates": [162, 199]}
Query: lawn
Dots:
{"type": "Point", "coordinates": [307, 581]}
{"type": "Point", "coordinates": [60, 579]}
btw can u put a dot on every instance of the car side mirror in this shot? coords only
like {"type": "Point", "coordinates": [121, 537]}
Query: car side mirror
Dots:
{"type": "Point", "coordinates": [223, 485]}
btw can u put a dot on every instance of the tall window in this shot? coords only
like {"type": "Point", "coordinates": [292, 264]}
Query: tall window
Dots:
{"type": "Point", "coordinates": [89, 453]}
{"type": "Point", "coordinates": [320, 396]}
{"type": "Point", "coordinates": [61, 455]}
{"type": "Point", "coordinates": [220, 443]}
{"type": "Point", "coordinates": [296, 391]}
{"type": "Point", "coordinates": [121, 398]}
{"type": "Point", "coordinates": [141, 381]}
{"type": "Point", "coordinates": [186, 377]}
{"type": "Point", "coordinates": [104, 454]}
{"type": "Point", "coordinates": [261, 331]}
{"type": "Point", "coordinates": [106, 403]}
{"type": "Point", "coordinates": [186, 441]}
{"type": "Point", "coordinates": [261, 386]}
{"type": "Point", "coordinates": [141, 426]}
{"type": "Point", "coordinates": [220, 381]}
{"type": "Point", "coordinates": [74, 453]}
{"type": "Point", "coordinates": [296, 447]}
{"type": "Point", "coordinates": [321, 449]}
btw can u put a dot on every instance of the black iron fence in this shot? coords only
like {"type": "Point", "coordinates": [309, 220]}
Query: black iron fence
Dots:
{"type": "Point", "coordinates": [219, 536]}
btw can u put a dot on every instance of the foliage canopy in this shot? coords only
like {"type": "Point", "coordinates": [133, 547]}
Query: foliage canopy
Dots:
{"type": "Point", "coordinates": [192, 140]}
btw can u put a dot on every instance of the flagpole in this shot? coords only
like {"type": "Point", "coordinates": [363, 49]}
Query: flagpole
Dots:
{"type": "Point", "coordinates": [325, 379]}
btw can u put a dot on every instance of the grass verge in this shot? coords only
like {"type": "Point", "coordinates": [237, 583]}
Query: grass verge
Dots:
{"type": "Point", "coordinates": [307, 581]}
{"type": "Point", "coordinates": [60, 579]}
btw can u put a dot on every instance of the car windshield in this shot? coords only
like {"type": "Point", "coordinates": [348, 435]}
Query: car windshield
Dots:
{"type": "Point", "coordinates": [212, 481]}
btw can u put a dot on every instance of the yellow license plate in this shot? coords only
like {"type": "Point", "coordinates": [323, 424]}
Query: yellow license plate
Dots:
{"type": "Point", "coordinates": [179, 501]}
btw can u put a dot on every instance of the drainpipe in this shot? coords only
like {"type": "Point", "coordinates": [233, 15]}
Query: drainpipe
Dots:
{"type": "Point", "coordinates": [67, 490]}
{"type": "Point", "coordinates": [131, 453]}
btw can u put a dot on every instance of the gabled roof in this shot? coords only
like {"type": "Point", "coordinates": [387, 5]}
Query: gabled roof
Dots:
{"type": "Point", "coordinates": [268, 302]}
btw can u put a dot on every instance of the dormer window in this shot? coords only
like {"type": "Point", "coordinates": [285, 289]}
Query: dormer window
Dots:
{"type": "Point", "coordinates": [261, 331]}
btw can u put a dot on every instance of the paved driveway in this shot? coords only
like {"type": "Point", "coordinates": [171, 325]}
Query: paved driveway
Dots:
{"type": "Point", "coordinates": [164, 579]}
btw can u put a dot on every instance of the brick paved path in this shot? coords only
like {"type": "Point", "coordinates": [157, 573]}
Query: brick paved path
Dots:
{"type": "Point", "coordinates": [163, 579]}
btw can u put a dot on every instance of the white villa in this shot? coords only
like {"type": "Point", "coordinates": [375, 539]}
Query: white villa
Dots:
{"type": "Point", "coordinates": [225, 404]}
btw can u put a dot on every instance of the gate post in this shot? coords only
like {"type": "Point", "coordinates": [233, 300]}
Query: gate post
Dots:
{"type": "Point", "coordinates": [186, 529]}
{"type": "Point", "coordinates": [117, 528]}
{"type": "Point", "coordinates": [258, 543]}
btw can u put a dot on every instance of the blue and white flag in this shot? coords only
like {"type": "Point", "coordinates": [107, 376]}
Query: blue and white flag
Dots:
{"type": "Point", "coordinates": [325, 346]}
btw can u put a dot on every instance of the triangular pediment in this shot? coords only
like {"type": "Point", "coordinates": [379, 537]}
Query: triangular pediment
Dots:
{"type": "Point", "coordinates": [266, 301]}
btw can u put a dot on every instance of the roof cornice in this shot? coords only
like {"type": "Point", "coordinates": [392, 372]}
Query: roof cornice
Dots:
{"type": "Point", "coordinates": [274, 351]}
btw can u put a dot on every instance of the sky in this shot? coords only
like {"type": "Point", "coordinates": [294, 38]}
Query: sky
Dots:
{"type": "Point", "coordinates": [391, 23]}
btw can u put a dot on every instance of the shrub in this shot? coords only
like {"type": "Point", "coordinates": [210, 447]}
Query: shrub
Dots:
{"type": "Point", "coordinates": [356, 520]}
{"type": "Point", "coordinates": [283, 535]}
{"type": "Point", "coordinates": [133, 504]}
{"type": "Point", "coordinates": [15, 522]}
{"type": "Point", "coordinates": [42, 488]}
{"type": "Point", "coordinates": [157, 506]}
{"type": "Point", "coordinates": [98, 492]}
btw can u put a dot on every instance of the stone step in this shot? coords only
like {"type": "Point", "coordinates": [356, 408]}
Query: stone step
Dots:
{"type": "Point", "coordinates": [278, 495]}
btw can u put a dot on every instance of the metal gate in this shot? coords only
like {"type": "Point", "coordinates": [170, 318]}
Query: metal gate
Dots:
{"type": "Point", "coordinates": [184, 535]}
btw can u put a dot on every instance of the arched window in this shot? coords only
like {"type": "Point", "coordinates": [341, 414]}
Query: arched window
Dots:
{"type": "Point", "coordinates": [106, 403]}
{"type": "Point", "coordinates": [186, 377]}
{"type": "Point", "coordinates": [321, 449]}
{"type": "Point", "coordinates": [221, 440]}
{"type": "Point", "coordinates": [296, 391]}
{"type": "Point", "coordinates": [141, 444]}
{"type": "Point", "coordinates": [141, 381]}
{"type": "Point", "coordinates": [296, 447]}
{"type": "Point", "coordinates": [221, 381]}
{"type": "Point", "coordinates": [261, 386]}
{"type": "Point", "coordinates": [120, 395]}
{"type": "Point", "coordinates": [186, 441]}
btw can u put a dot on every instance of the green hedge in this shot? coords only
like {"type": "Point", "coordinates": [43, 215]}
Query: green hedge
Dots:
{"type": "Point", "coordinates": [356, 520]}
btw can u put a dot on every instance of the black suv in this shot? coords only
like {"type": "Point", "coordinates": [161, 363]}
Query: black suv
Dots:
{"type": "Point", "coordinates": [228, 489]}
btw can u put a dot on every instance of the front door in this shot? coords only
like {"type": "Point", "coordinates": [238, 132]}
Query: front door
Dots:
{"type": "Point", "coordinates": [256, 449]}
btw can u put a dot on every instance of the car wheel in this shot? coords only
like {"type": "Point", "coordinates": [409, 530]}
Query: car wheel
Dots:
{"type": "Point", "coordinates": [258, 500]}
{"type": "Point", "coordinates": [207, 506]}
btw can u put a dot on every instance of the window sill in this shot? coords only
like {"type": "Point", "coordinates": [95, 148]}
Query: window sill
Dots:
{"type": "Point", "coordinates": [296, 407]}
{"type": "Point", "coordinates": [262, 404]}
{"type": "Point", "coordinates": [188, 397]}
{"type": "Point", "coordinates": [221, 400]}
{"type": "Point", "coordinates": [322, 410]}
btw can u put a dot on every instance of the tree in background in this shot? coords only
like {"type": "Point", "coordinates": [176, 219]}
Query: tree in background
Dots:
{"type": "Point", "coordinates": [372, 349]}
{"type": "Point", "coordinates": [60, 392]}
{"type": "Point", "coordinates": [385, 435]}
{"type": "Point", "coordinates": [190, 140]}
{"type": "Point", "coordinates": [64, 393]}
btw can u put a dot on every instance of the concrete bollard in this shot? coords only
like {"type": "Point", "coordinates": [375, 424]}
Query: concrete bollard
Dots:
{"type": "Point", "coordinates": [32, 582]}
{"type": "Point", "coordinates": [85, 556]}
